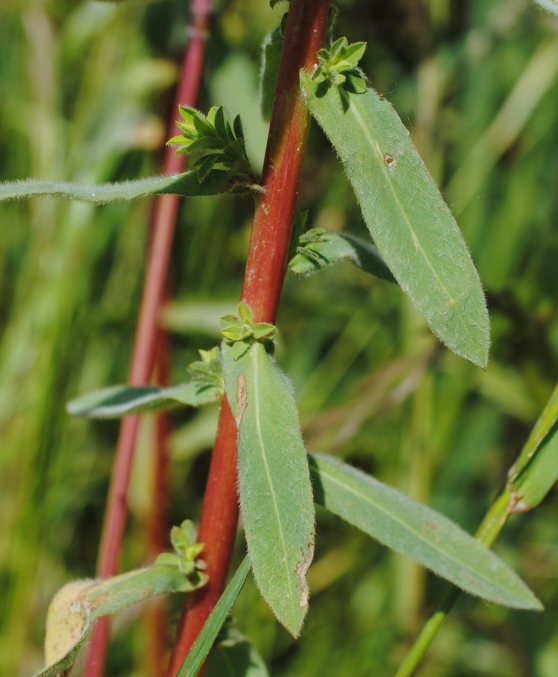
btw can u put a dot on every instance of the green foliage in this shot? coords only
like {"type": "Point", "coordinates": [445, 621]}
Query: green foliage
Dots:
{"type": "Point", "coordinates": [477, 87]}
{"type": "Point", "coordinates": [213, 144]}
{"type": "Point", "coordinates": [338, 66]}
{"type": "Point", "coordinates": [410, 223]}
{"type": "Point", "coordinates": [274, 482]}
{"type": "Point", "coordinates": [269, 70]}
{"type": "Point", "coordinates": [206, 639]}
{"type": "Point", "coordinates": [186, 550]}
{"type": "Point", "coordinates": [187, 184]}
{"type": "Point", "coordinates": [317, 249]}
{"type": "Point", "coordinates": [77, 605]}
{"type": "Point", "coordinates": [536, 470]}
{"type": "Point", "coordinates": [416, 531]}
{"type": "Point", "coordinates": [232, 654]}
{"type": "Point", "coordinates": [550, 6]}
{"type": "Point", "coordinates": [242, 331]}
{"type": "Point", "coordinates": [205, 386]}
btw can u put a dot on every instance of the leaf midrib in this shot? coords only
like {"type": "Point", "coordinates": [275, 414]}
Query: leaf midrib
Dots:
{"type": "Point", "coordinates": [405, 525]}
{"type": "Point", "coordinates": [255, 372]}
{"type": "Point", "coordinates": [419, 246]}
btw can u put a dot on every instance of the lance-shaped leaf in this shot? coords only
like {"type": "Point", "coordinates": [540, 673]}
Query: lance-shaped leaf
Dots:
{"type": "Point", "coordinates": [206, 386]}
{"type": "Point", "coordinates": [122, 400]}
{"type": "Point", "coordinates": [205, 640]}
{"type": "Point", "coordinates": [410, 224]}
{"type": "Point", "coordinates": [274, 482]}
{"type": "Point", "coordinates": [416, 531]}
{"type": "Point", "coordinates": [186, 184]}
{"type": "Point", "coordinates": [77, 605]}
{"type": "Point", "coordinates": [550, 6]}
{"type": "Point", "coordinates": [536, 470]}
{"type": "Point", "coordinates": [318, 248]}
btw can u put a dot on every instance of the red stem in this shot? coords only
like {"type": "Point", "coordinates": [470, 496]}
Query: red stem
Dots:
{"type": "Point", "coordinates": [263, 281]}
{"type": "Point", "coordinates": [145, 344]}
{"type": "Point", "coordinates": [157, 525]}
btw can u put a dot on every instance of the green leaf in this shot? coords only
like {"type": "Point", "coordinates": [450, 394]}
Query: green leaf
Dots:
{"type": "Point", "coordinates": [271, 58]}
{"type": "Point", "coordinates": [274, 482]}
{"type": "Point", "coordinates": [234, 656]}
{"type": "Point", "coordinates": [538, 477]}
{"type": "Point", "coordinates": [122, 400]}
{"type": "Point", "coordinates": [240, 348]}
{"type": "Point", "coordinates": [213, 135]}
{"type": "Point", "coordinates": [244, 313]}
{"type": "Point", "coordinates": [536, 470]}
{"type": "Point", "coordinates": [205, 640]}
{"type": "Point", "coordinates": [416, 531]}
{"type": "Point", "coordinates": [543, 426]}
{"type": "Point", "coordinates": [550, 6]}
{"type": "Point", "coordinates": [77, 605]}
{"type": "Point", "coordinates": [318, 248]}
{"type": "Point", "coordinates": [411, 225]}
{"type": "Point", "coordinates": [183, 539]}
{"type": "Point", "coordinates": [186, 184]}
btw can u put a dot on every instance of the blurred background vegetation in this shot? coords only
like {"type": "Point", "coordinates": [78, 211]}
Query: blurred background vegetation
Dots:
{"type": "Point", "coordinates": [86, 88]}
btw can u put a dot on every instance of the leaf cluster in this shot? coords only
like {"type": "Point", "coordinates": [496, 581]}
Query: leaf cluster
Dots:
{"type": "Point", "coordinates": [213, 143]}
{"type": "Point", "coordinates": [186, 550]}
{"type": "Point", "coordinates": [242, 331]}
{"type": "Point", "coordinates": [338, 66]}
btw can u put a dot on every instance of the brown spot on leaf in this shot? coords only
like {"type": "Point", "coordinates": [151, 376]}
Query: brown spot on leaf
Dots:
{"type": "Point", "coordinates": [301, 571]}
{"type": "Point", "coordinates": [241, 398]}
{"type": "Point", "coordinates": [390, 160]}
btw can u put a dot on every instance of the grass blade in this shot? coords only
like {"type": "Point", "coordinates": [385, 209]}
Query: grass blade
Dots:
{"type": "Point", "coordinates": [410, 223]}
{"type": "Point", "coordinates": [416, 531]}
{"type": "Point", "coordinates": [208, 635]}
{"type": "Point", "coordinates": [274, 481]}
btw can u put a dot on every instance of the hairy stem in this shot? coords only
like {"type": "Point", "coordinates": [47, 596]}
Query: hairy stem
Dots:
{"type": "Point", "coordinates": [263, 282]}
{"type": "Point", "coordinates": [145, 343]}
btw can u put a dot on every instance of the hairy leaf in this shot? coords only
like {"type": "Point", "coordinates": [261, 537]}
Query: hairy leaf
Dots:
{"type": "Point", "coordinates": [416, 531]}
{"type": "Point", "coordinates": [119, 401]}
{"type": "Point", "coordinates": [76, 606]}
{"type": "Point", "coordinates": [550, 6]}
{"type": "Point", "coordinates": [274, 482]}
{"type": "Point", "coordinates": [205, 640]}
{"type": "Point", "coordinates": [186, 184]}
{"type": "Point", "coordinates": [411, 225]}
{"type": "Point", "coordinates": [318, 248]}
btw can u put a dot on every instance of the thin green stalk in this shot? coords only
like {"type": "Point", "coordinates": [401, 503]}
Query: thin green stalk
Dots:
{"type": "Point", "coordinates": [489, 529]}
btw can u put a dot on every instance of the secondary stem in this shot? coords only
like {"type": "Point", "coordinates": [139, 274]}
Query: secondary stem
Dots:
{"type": "Point", "coordinates": [489, 529]}
{"type": "Point", "coordinates": [145, 343]}
{"type": "Point", "coordinates": [263, 281]}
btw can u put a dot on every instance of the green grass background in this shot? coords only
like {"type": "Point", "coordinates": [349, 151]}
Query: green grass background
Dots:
{"type": "Point", "coordinates": [85, 93]}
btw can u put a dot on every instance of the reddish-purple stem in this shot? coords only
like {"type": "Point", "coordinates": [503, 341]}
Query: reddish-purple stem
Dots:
{"type": "Point", "coordinates": [265, 271]}
{"type": "Point", "coordinates": [145, 344]}
{"type": "Point", "coordinates": [157, 525]}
